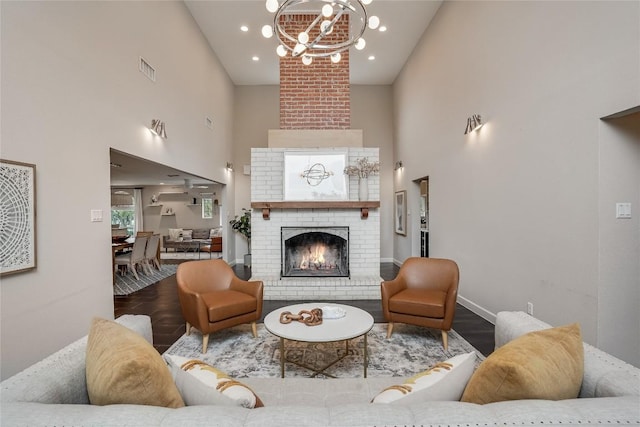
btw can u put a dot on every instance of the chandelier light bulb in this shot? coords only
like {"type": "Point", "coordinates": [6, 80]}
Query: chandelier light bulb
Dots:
{"type": "Point", "coordinates": [374, 22]}
{"type": "Point", "coordinates": [326, 27]}
{"type": "Point", "coordinates": [298, 49]}
{"type": "Point", "coordinates": [327, 10]}
{"type": "Point", "coordinates": [272, 5]}
{"type": "Point", "coordinates": [281, 51]}
{"type": "Point", "coordinates": [267, 31]}
{"type": "Point", "coordinates": [303, 37]}
{"type": "Point", "coordinates": [314, 41]}
{"type": "Point", "coordinates": [307, 60]}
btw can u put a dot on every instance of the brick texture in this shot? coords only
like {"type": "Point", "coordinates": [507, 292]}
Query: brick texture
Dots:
{"type": "Point", "coordinates": [315, 96]}
{"type": "Point", "coordinates": [364, 235]}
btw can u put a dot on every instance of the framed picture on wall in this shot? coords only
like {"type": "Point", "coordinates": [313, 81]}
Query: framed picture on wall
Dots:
{"type": "Point", "coordinates": [315, 175]}
{"type": "Point", "coordinates": [400, 212]}
{"type": "Point", "coordinates": [18, 206]}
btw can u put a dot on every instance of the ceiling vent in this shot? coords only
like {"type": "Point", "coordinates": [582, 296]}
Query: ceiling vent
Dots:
{"type": "Point", "coordinates": [147, 69]}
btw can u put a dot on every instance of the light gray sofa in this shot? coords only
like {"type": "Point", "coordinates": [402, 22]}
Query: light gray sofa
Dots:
{"type": "Point", "coordinates": [199, 237]}
{"type": "Point", "coordinates": [53, 392]}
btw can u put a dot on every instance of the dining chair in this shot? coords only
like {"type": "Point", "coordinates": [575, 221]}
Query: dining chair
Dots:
{"type": "Point", "coordinates": [134, 258]}
{"type": "Point", "coordinates": [151, 252]}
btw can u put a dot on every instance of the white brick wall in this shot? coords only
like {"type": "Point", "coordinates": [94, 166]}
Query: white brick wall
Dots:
{"type": "Point", "coordinates": [364, 235]}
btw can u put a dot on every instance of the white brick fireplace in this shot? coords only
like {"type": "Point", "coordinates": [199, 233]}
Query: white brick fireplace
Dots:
{"type": "Point", "coordinates": [267, 185]}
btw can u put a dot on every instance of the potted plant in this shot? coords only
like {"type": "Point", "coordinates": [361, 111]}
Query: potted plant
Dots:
{"type": "Point", "coordinates": [242, 225]}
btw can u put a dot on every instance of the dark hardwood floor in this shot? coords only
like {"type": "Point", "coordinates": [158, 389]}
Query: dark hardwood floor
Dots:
{"type": "Point", "coordinates": [160, 301]}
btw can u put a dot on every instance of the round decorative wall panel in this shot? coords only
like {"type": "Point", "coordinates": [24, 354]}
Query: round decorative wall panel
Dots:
{"type": "Point", "coordinates": [17, 217]}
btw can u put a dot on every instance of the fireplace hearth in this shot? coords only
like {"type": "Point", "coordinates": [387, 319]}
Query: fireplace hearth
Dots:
{"type": "Point", "coordinates": [315, 252]}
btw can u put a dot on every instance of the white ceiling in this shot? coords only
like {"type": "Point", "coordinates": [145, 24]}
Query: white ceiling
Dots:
{"type": "Point", "coordinates": [128, 171]}
{"type": "Point", "coordinates": [220, 21]}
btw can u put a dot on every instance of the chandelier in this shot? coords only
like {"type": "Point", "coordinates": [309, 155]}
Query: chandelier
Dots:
{"type": "Point", "coordinates": [316, 40]}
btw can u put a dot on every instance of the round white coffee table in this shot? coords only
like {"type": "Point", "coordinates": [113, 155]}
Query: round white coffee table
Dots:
{"type": "Point", "coordinates": [355, 323]}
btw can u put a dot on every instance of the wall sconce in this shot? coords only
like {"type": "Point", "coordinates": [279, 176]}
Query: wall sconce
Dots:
{"type": "Point", "coordinates": [230, 166]}
{"type": "Point", "coordinates": [473, 123]}
{"type": "Point", "coordinates": [157, 127]}
{"type": "Point", "coordinates": [398, 165]}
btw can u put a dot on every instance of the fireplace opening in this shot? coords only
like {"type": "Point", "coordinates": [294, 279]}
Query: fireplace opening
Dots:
{"type": "Point", "coordinates": [315, 252]}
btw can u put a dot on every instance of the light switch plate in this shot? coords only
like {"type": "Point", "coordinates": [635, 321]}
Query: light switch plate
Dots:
{"type": "Point", "coordinates": [623, 210]}
{"type": "Point", "coordinates": [96, 215]}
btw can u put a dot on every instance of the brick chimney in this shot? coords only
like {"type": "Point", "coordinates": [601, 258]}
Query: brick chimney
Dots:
{"type": "Point", "coordinates": [315, 96]}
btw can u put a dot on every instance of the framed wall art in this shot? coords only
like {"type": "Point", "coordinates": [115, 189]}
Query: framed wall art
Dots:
{"type": "Point", "coordinates": [315, 175]}
{"type": "Point", "coordinates": [400, 212]}
{"type": "Point", "coordinates": [17, 217]}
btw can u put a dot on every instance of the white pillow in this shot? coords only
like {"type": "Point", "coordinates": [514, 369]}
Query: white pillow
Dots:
{"type": "Point", "coordinates": [444, 381]}
{"type": "Point", "coordinates": [187, 234]}
{"type": "Point", "coordinates": [202, 384]}
{"type": "Point", "coordinates": [175, 233]}
{"type": "Point", "coordinates": [215, 232]}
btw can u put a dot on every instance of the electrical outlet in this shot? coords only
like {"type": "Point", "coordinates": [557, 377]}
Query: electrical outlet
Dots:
{"type": "Point", "coordinates": [530, 308]}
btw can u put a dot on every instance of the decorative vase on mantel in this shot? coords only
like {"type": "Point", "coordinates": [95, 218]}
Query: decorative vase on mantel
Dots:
{"type": "Point", "coordinates": [363, 189]}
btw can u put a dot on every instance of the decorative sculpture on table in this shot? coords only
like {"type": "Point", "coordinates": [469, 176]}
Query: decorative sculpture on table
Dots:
{"type": "Point", "coordinates": [311, 317]}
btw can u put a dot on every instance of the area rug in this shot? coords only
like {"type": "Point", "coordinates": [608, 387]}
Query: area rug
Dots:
{"type": "Point", "coordinates": [127, 284]}
{"type": "Point", "coordinates": [410, 350]}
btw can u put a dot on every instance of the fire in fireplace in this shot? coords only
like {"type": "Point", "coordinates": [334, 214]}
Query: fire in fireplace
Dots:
{"type": "Point", "coordinates": [315, 252]}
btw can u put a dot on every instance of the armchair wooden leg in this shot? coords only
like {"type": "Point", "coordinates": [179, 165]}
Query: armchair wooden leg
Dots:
{"type": "Point", "coordinates": [254, 329]}
{"type": "Point", "coordinates": [445, 340]}
{"type": "Point", "coordinates": [389, 330]}
{"type": "Point", "coordinates": [205, 343]}
{"type": "Point", "coordinates": [188, 329]}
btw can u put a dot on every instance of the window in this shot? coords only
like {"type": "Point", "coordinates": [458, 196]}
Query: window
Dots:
{"type": "Point", "coordinates": [207, 207]}
{"type": "Point", "coordinates": [123, 217]}
{"type": "Point", "coordinates": [122, 210]}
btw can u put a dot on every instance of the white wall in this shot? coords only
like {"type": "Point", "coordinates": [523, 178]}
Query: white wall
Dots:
{"type": "Point", "coordinates": [186, 215]}
{"type": "Point", "coordinates": [71, 89]}
{"type": "Point", "coordinates": [516, 204]}
{"type": "Point", "coordinates": [372, 111]}
{"type": "Point", "coordinates": [257, 111]}
{"type": "Point", "coordinates": [619, 290]}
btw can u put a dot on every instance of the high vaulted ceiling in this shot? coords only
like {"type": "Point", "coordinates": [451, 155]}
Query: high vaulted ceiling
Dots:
{"type": "Point", "coordinates": [220, 22]}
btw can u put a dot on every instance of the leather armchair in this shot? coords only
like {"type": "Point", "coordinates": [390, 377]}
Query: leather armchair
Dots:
{"type": "Point", "coordinates": [213, 298]}
{"type": "Point", "coordinates": [423, 293]}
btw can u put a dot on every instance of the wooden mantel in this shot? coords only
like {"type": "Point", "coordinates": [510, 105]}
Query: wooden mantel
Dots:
{"type": "Point", "coordinates": [349, 204]}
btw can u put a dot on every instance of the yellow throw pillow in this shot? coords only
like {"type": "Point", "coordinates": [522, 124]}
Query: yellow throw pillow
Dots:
{"type": "Point", "coordinates": [547, 364]}
{"type": "Point", "coordinates": [202, 384]}
{"type": "Point", "coordinates": [122, 367]}
{"type": "Point", "coordinates": [444, 381]}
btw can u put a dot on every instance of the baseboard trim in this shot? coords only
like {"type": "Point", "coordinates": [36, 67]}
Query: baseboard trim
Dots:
{"type": "Point", "coordinates": [476, 309]}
